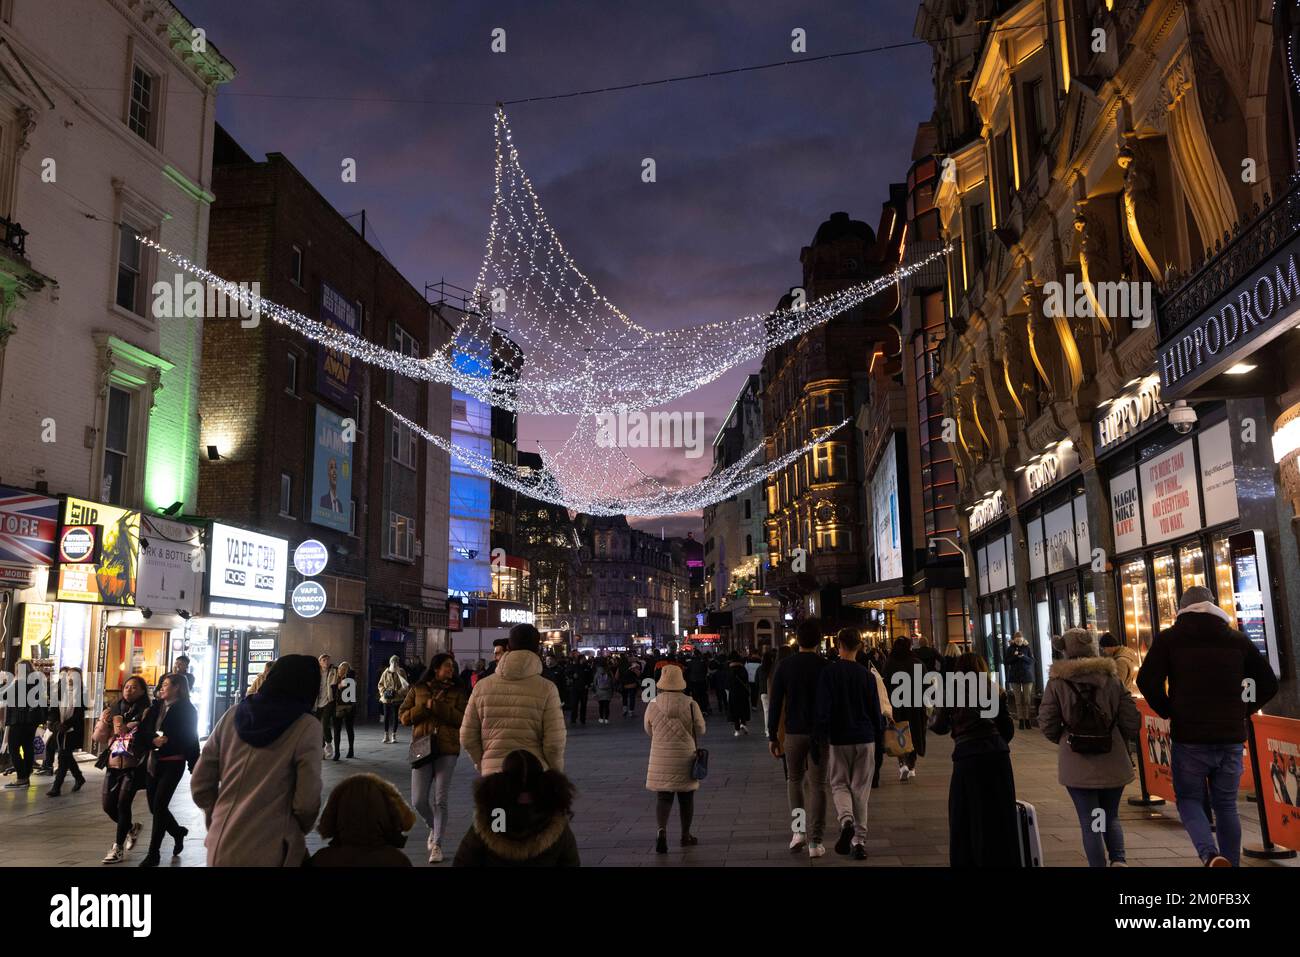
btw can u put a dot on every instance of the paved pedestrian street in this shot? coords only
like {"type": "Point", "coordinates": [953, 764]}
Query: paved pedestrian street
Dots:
{"type": "Point", "coordinates": [741, 817]}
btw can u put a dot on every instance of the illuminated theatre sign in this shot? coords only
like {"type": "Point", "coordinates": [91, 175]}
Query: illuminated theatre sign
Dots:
{"type": "Point", "coordinates": [1253, 312]}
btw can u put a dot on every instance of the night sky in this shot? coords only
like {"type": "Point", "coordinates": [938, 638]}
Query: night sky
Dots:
{"type": "Point", "coordinates": [748, 165]}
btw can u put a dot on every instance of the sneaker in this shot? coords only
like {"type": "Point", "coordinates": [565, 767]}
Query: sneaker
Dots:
{"type": "Point", "coordinates": [16, 785]}
{"type": "Point", "coordinates": [661, 842]}
{"type": "Point", "coordinates": [903, 774]}
{"type": "Point", "coordinates": [797, 843]}
{"type": "Point", "coordinates": [1218, 860]}
{"type": "Point", "coordinates": [845, 842]}
{"type": "Point", "coordinates": [744, 729]}
{"type": "Point", "coordinates": [859, 852]}
{"type": "Point", "coordinates": [328, 752]}
{"type": "Point", "coordinates": [131, 836]}
{"type": "Point", "coordinates": [735, 734]}
{"type": "Point", "coordinates": [429, 842]}
{"type": "Point", "coordinates": [911, 773]}
{"type": "Point", "coordinates": [114, 856]}
{"type": "Point", "coordinates": [816, 849]}
{"type": "Point", "coordinates": [435, 854]}
{"type": "Point", "coordinates": [1119, 863]}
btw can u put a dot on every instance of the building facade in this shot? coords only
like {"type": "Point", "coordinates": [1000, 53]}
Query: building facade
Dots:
{"type": "Point", "coordinates": [296, 443]}
{"type": "Point", "coordinates": [1105, 170]}
{"type": "Point", "coordinates": [106, 133]}
{"type": "Point", "coordinates": [735, 543]}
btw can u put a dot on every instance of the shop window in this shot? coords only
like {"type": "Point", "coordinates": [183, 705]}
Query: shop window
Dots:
{"type": "Point", "coordinates": [1166, 584]}
{"type": "Point", "coordinates": [1191, 566]}
{"type": "Point", "coordinates": [1223, 586]}
{"type": "Point", "coordinates": [1136, 602]}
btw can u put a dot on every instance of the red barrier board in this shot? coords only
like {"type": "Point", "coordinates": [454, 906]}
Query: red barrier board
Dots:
{"type": "Point", "coordinates": [1277, 746]}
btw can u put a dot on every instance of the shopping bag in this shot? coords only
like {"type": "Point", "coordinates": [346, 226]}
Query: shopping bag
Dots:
{"type": "Point", "coordinates": [898, 739]}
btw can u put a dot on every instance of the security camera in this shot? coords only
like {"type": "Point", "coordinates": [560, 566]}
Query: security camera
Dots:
{"type": "Point", "coordinates": [1182, 417]}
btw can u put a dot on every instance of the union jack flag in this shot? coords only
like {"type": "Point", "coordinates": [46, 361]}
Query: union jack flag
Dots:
{"type": "Point", "coordinates": [28, 524]}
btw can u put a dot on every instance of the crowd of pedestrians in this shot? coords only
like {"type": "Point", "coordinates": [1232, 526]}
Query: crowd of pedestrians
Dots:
{"type": "Point", "coordinates": [830, 721]}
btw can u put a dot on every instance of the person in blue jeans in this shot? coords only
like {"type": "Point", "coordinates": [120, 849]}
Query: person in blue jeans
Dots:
{"type": "Point", "coordinates": [1087, 712]}
{"type": "Point", "coordinates": [1207, 678]}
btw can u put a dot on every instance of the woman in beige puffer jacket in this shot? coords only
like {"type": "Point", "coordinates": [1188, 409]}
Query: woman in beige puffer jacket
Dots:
{"type": "Point", "coordinates": [674, 722]}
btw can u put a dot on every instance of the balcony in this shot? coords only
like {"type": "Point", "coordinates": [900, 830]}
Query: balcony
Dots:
{"type": "Point", "coordinates": [1232, 259]}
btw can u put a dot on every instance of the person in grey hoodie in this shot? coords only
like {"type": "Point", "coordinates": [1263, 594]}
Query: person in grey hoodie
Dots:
{"type": "Point", "coordinates": [1084, 696]}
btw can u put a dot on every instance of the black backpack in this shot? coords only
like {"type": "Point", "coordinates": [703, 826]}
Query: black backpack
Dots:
{"type": "Point", "coordinates": [1091, 732]}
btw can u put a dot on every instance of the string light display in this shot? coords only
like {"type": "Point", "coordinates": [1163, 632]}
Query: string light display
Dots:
{"type": "Point", "coordinates": [566, 478]}
{"type": "Point", "coordinates": [584, 356]}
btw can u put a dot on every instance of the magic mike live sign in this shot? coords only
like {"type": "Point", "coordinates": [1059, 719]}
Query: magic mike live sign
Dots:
{"type": "Point", "coordinates": [1257, 309]}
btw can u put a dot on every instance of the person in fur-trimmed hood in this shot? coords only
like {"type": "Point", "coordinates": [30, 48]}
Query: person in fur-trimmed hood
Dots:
{"type": "Point", "coordinates": [521, 818]}
{"type": "Point", "coordinates": [1206, 678]}
{"type": "Point", "coordinates": [1085, 704]}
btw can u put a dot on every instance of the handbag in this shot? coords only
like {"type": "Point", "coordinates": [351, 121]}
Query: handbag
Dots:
{"type": "Point", "coordinates": [423, 749]}
{"type": "Point", "coordinates": [898, 739]}
{"type": "Point", "coordinates": [700, 762]}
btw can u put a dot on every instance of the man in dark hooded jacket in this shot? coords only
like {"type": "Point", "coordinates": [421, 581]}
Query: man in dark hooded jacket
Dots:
{"type": "Point", "coordinates": [1207, 679]}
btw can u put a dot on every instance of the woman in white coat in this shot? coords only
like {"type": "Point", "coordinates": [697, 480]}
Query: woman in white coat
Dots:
{"type": "Point", "coordinates": [674, 722]}
{"type": "Point", "coordinates": [258, 779]}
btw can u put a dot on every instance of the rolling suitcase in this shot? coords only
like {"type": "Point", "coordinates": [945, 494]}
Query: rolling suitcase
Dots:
{"type": "Point", "coordinates": [1031, 847]}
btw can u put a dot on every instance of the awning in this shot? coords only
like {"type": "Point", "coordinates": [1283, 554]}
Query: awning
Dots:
{"type": "Point", "coordinates": [876, 591]}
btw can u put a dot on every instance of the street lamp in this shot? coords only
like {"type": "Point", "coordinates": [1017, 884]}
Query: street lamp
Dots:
{"type": "Point", "coordinates": [934, 550]}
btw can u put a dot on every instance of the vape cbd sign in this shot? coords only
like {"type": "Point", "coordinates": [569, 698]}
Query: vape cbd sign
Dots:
{"type": "Point", "coordinates": [248, 566]}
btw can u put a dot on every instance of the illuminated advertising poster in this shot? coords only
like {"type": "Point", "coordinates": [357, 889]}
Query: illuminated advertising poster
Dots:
{"type": "Point", "coordinates": [1277, 747]}
{"type": "Point", "coordinates": [1218, 476]}
{"type": "Point", "coordinates": [98, 552]}
{"type": "Point", "coordinates": [1037, 554]}
{"type": "Point", "coordinates": [1169, 504]}
{"type": "Point", "coordinates": [1155, 748]}
{"type": "Point", "coordinates": [28, 524]}
{"type": "Point", "coordinates": [331, 483]}
{"type": "Point", "coordinates": [171, 571]}
{"type": "Point", "coordinates": [248, 566]}
{"type": "Point", "coordinates": [884, 496]}
{"type": "Point", "coordinates": [335, 374]}
{"type": "Point", "coordinates": [1059, 526]}
{"type": "Point", "coordinates": [1124, 511]}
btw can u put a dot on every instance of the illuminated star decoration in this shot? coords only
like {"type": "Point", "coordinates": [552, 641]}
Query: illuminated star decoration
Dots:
{"type": "Point", "coordinates": [584, 356]}
{"type": "Point", "coordinates": [572, 476]}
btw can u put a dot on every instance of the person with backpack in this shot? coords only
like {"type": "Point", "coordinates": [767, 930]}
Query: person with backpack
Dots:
{"type": "Point", "coordinates": [1085, 704]}
{"type": "Point", "coordinates": [1197, 675]}
{"type": "Point", "coordinates": [675, 724]}
{"type": "Point", "coordinates": [1020, 676]}
{"type": "Point", "coordinates": [603, 682]}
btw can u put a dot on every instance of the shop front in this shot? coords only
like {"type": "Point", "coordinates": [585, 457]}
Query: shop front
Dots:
{"type": "Point", "coordinates": [993, 545]}
{"type": "Point", "coordinates": [238, 635]}
{"type": "Point", "coordinates": [29, 525]}
{"type": "Point", "coordinates": [1053, 512]}
{"type": "Point", "coordinates": [1176, 524]}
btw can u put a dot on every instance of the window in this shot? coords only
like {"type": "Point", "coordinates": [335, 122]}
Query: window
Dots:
{"type": "Point", "coordinates": [295, 267]}
{"type": "Point", "coordinates": [747, 508]}
{"type": "Point", "coordinates": [978, 237]}
{"type": "Point", "coordinates": [291, 373]}
{"type": "Point", "coordinates": [401, 537]}
{"type": "Point", "coordinates": [286, 494]}
{"type": "Point", "coordinates": [405, 343]}
{"type": "Point", "coordinates": [142, 112]}
{"type": "Point", "coordinates": [749, 544]}
{"type": "Point", "coordinates": [1035, 118]}
{"type": "Point", "coordinates": [404, 449]}
{"type": "Point", "coordinates": [117, 442]}
{"type": "Point", "coordinates": [130, 271]}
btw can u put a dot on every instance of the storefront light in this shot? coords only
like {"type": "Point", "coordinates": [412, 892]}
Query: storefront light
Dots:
{"type": "Point", "coordinates": [1286, 440]}
{"type": "Point", "coordinates": [1241, 368]}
